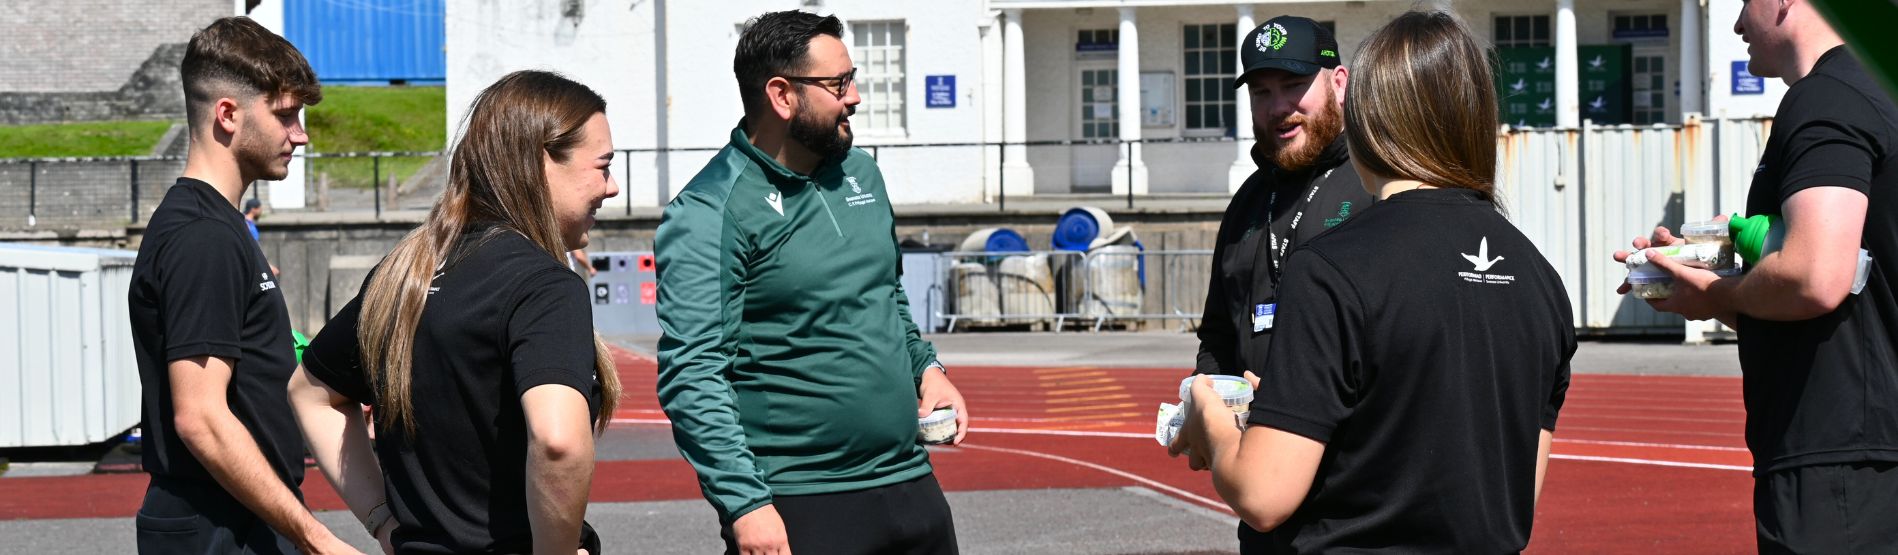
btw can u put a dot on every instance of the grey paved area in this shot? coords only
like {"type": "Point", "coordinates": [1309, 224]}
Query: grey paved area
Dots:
{"type": "Point", "coordinates": [1078, 521]}
{"type": "Point", "coordinates": [1177, 350]}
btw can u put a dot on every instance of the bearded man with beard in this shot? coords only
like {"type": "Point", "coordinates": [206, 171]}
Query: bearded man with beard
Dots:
{"type": "Point", "coordinates": [1305, 184]}
{"type": "Point", "coordinates": [789, 367]}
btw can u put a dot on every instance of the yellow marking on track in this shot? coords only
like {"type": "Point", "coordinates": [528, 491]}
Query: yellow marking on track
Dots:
{"type": "Point", "coordinates": [1064, 369]}
{"type": "Point", "coordinates": [1093, 417]}
{"type": "Point", "coordinates": [1059, 377]}
{"type": "Point", "coordinates": [1093, 407]}
{"type": "Point", "coordinates": [1061, 392]}
{"type": "Point", "coordinates": [1094, 398]}
{"type": "Point", "coordinates": [1077, 382]}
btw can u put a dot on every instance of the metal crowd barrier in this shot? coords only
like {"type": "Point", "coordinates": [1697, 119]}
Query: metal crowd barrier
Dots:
{"type": "Point", "coordinates": [1051, 289]}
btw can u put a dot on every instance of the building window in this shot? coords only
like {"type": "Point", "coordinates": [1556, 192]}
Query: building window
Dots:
{"type": "Point", "coordinates": [1211, 65]}
{"type": "Point", "coordinates": [1522, 30]}
{"type": "Point", "coordinates": [1097, 39]}
{"type": "Point", "coordinates": [1640, 26]}
{"type": "Point", "coordinates": [1650, 89]}
{"type": "Point", "coordinates": [878, 50]}
{"type": "Point", "coordinates": [1100, 109]}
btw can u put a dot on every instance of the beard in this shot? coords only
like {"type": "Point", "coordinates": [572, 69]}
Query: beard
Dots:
{"type": "Point", "coordinates": [1319, 131]}
{"type": "Point", "coordinates": [821, 135]}
{"type": "Point", "coordinates": [255, 158]}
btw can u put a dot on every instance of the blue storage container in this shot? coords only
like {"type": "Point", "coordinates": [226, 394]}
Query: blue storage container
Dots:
{"type": "Point", "coordinates": [368, 42]}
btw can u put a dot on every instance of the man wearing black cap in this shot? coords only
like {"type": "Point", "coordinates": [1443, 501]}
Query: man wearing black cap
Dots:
{"type": "Point", "coordinates": [1303, 186]}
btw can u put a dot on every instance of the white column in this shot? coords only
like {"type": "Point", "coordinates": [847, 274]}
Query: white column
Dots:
{"type": "Point", "coordinates": [1128, 99]}
{"type": "Point", "coordinates": [1018, 178]}
{"type": "Point", "coordinates": [286, 192]}
{"type": "Point", "coordinates": [1693, 48]}
{"type": "Point", "coordinates": [1242, 166]}
{"type": "Point", "coordinates": [1567, 92]}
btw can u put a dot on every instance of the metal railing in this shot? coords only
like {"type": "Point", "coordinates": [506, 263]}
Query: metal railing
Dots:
{"type": "Point", "coordinates": [1052, 289]}
{"type": "Point", "coordinates": [83, 187]}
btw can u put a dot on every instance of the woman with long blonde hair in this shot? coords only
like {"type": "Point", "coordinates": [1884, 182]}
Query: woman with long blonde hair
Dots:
{"type": "Point", "coordinates": [474, 343]}
{"type": "Point", "coordinates": [1423, 345]}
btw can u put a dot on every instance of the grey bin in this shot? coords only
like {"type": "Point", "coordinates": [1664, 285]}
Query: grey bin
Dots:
{"type": "Point", "coordinates": [625, 293]}
{"type": "Point", "coordinates": [68, 376]}
{"type": "Point", "coordinates": [923, 284]}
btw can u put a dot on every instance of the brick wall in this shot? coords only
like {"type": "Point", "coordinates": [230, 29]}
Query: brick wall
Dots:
{"type": "Point", "coordinates": [91, 45]}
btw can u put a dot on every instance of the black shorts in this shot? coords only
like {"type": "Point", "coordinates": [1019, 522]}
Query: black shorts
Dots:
{"type": "Point", "coordinates": [1832, 508]}
{"type": "Point", "coordinates": [185, 517]}
{"type": "Point", "coordinates": [911, 518]}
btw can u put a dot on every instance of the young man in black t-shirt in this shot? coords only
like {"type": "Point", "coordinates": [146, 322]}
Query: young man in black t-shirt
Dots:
{"type": "Point", "coordinates": [1820, 362]}
{"type": "Point", "coordinates": [209, 326]}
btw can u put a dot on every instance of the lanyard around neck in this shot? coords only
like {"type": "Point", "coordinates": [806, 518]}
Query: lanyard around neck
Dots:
{"type": "Point", "coordinates": [1275, 252]}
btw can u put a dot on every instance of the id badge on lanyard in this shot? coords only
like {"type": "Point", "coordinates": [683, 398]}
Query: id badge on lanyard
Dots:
{"type": "Point", "coordinates": [1262, 316]}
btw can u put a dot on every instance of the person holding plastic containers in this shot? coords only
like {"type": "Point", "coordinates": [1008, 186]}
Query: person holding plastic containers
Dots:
{"type": "Point", "coordinates": [1423, 346]}
{"type": "Point", "coordinates": [473, 333]}
{"type": "Point", "coordinates": [792, 373]}
{"type": "Point", "coordinates": [1815, 310]}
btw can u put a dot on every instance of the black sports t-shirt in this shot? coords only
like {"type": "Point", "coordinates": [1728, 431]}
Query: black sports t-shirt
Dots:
{"type": "Point", "coordinates": [1825, 390]}
{"type": "Point", "coordinates": [1233, 338]}
{"type": "Point", "coordinates": [201, 287]}
{"type": "Point", "coordinates": [1426, 343]}
{"type": "Point", "coordinates": [502, 317]}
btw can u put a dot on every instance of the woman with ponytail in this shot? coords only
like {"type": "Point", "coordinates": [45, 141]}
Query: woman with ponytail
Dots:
{"type": "Point", "coordinates": [1422, 349]}
{"type": "Point", "coordinates": [473, 343]}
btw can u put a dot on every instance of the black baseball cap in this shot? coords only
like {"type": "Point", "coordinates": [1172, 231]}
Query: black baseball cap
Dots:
{"type": "Point", "coordinates": [1289, 43]}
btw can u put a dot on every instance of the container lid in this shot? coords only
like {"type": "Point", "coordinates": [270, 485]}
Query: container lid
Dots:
{"type": "Point", "coordinates": [1705, 227]}
{"type": "Point", "coordinates": [1647, 273]}
{"type": "Point", "coordinates": [1228, 387]}
{"type": "Point", "coordinates": [938, 416]}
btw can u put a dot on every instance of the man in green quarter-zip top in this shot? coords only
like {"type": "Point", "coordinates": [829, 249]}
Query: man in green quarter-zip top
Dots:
{"type": "Point", "coordinates": [789, 367]}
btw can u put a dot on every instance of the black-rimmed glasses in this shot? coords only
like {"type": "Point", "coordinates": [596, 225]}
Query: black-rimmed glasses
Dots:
{"type": "Point", "coordinates": [840, 88]}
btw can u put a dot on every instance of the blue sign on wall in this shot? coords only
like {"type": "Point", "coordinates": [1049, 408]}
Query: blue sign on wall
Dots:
{"type": "Point", "coordinates": [939, 91]}
{"type": "Point", "coordinates": [1747, 83]}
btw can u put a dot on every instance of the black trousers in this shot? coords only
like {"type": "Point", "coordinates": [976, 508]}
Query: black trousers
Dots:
{"type": "Point", "coordinates": [184, 517]}
{"type": "Point", "coordinates": [911, 517]}
{"type": "Point", "coordinates": [1832, 508]}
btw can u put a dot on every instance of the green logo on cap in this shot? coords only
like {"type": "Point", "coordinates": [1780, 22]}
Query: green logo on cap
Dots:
{"type": "Point", "coordinates": [1327, 53]}
{"type": "Point", "coordinates": [1273, 38]}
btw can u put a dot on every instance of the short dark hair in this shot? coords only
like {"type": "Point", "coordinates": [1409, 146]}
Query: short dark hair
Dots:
{"type": "Point", "coordinates": [776, 44]}
{"type": "Point", "coordinates": [251, 204]}
{"type": "Point", "coordinates": [234, 56]}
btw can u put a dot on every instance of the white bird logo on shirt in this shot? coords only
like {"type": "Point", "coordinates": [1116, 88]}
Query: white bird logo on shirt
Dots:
{"type": "Point", "coordinates": [1481, 259]}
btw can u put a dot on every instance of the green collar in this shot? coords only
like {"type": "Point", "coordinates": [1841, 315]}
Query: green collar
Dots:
{"type": "Point", "coordinates": [742, 142]}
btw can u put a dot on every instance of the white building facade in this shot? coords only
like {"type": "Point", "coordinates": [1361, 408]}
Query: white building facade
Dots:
{"type": "Point", "coordinates": [943, 82]}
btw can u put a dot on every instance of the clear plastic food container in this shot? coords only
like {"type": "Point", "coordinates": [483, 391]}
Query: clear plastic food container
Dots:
{"type": "Point", "coordinates": [1707, 231]}
{"type": "Point", "coordinates": [939, 427]}
{"type": "Point", "coordinates": [1648, 282]}
{"type": "Point", "coordinates": [1713, 256]}
{"type": "Point", "coordinates": [1234, 390]}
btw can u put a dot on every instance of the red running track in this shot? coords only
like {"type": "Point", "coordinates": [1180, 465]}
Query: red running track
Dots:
{"type": "Point", "coordinates": [1643, 463]}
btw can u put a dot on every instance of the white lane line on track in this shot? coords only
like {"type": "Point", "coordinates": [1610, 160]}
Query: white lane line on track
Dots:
{"type": "Point", "coordinates": [1649, 431]}
{"type": "Point", "coordinates": [1660, 445]}
{"type": "Point", "coordinates": [1651, 462]}
{"type": "Point", "coordinates": [1599, 416]}
{"type": "Point", "coordinates": [1183, 494]}
{"type": "Point", "coordinates": [1223, 507]}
